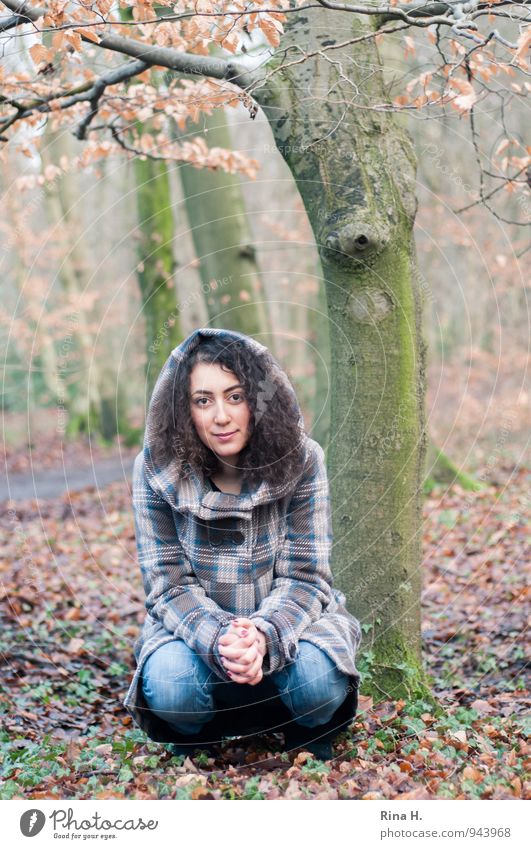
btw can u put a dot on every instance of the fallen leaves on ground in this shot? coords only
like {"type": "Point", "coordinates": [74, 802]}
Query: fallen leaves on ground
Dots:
{"type": "Point", "coordinates": [72, 605]}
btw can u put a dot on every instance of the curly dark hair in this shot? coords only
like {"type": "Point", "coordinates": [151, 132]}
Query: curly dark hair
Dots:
{"type": "Point", "coordinates": [275, 450]}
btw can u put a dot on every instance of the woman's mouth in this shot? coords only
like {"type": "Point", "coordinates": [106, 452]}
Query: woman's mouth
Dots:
{"type": "Point", "coordinates": [224, 437]}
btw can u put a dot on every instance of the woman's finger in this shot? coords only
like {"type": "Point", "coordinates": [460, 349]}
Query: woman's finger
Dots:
{"type": "Point", "coordinates": [238, 645]}
{"type": "Point", "coordinates": [253, 670]}
{"type": "Point", "coordinates": [242, 621]}
{"type": "Point", "coordinates": [246, 633]}
{"type": "Point", "coordinates": [242, 658]}
{"type": "Point", "coordinates": [241, 679]}
{"type": "Point", "coordinates": [249, 678]}
{"type": "Point", "coordinates": [248, 671]}
{"type": "Point", "coordinates": [229, 638]}
{"type": "Point", "coordinates": [241, 626]}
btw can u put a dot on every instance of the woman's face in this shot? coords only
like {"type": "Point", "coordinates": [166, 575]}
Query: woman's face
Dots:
{"type": "Point", "coordinates": [218, 406]}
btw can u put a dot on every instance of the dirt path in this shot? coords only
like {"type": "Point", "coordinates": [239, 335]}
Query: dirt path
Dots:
{"type": "Point", "coordinates": [51, 483]}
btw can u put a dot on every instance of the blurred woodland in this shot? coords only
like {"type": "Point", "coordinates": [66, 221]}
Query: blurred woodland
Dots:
{"type": "Point", "coordinates": [73, 332]}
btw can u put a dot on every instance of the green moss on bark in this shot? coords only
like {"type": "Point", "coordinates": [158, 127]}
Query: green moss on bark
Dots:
{"type": "Point", "coordinates": [355, 170]}
{"type": "Point", "coordinates": [156, 263]}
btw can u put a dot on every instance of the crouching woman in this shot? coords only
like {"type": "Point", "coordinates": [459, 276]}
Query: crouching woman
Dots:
{"type": "Point", "coordinates": [244, 630]}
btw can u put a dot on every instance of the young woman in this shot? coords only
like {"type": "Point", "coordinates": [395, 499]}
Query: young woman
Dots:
{"type": "Point", "coordinates": [244, 630]}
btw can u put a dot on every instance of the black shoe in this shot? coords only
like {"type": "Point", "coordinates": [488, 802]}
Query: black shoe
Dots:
{"type": "Point", "coordinates": [189, 749]}
{"type": "Point", "coordinates": [298, 737]}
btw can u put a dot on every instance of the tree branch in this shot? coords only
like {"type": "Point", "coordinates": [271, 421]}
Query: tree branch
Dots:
{"type": "Point", "coordinates": [119, 75]}
{"type": "Point", "coordinates": [23, 15]}
{"type": "Point", "coordinates": [166, 57]}
{"type": "Point", "coordinates": [12, 22]}
{"type": "Point", "coordinates": [184, 63]}
{"type": "Point", "coordinates": [422, 9]}
{"type": "Point", "coordinates": [421, 13]}
{"type": "Point", "coordinates": [91, 92]}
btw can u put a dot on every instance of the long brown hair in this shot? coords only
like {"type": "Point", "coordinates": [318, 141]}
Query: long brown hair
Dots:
{"type": "Point", "coordinates": [275, 451]}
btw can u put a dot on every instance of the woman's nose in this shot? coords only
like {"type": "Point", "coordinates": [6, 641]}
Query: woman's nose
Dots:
{"type": "Point", "coordinates": [221, 414]}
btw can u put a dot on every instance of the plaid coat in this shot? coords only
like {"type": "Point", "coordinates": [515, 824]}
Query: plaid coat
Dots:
{"type": "Point", "coordinates": [207, 557]}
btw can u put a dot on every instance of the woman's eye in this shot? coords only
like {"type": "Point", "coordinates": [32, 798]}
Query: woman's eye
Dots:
{"type": "Point", "coordinates": [238, 395]}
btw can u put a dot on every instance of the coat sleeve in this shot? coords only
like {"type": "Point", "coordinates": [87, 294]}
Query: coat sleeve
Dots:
{"type": "Point", "coordinates": [174, 596]}
{"type": "Point", "coordinates": [302, 584]}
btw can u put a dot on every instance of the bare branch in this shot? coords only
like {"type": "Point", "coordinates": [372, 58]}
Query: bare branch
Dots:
{"type": "Point", "coordinates": [185, 63]}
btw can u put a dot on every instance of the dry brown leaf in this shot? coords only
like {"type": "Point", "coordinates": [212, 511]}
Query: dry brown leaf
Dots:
{"type": "Point", "coordinates": [483, 707]}
{"type": "Point", "coordinates": [473, 774]}
{"type": "Point", "coordinates": [364, 703]}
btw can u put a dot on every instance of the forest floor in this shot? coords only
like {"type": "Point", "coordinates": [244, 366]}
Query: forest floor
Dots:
{"type": "Point", "coordinates": [72, 603]}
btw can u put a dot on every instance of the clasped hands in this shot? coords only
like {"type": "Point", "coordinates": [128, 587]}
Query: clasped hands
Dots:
{"type": "Point", "coordinates": [243, 648]}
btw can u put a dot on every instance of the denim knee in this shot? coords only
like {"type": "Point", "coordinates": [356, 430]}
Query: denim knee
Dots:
{"type": "Point", "coordinates": [175, 684]}
{"type": "Point", "coordinates": [312, 687]}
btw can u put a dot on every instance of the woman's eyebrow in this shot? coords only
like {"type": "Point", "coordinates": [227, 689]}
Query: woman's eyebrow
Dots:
{"type": "Point", "coordinates": [208, 392]}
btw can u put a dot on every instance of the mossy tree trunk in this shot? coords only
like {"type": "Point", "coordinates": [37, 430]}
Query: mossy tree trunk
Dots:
{"type": "Point", "coordinates": [216, 212]}
{"type": "Point", "coordinates": [320, 338]}
{"type": "Point", "coordinates": [156, 259]}
{"type": "Point", "coordinates": [156, 264]}
{"type": "Point", "coordinates": [355, 170]}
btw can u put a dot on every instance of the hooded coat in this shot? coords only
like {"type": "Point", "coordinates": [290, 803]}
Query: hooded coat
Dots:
{"type": "Point", "coordinates": [207, 557]}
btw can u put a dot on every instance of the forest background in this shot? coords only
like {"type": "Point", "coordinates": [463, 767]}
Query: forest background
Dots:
{"type": "Point", "coordinates": [89, 232]}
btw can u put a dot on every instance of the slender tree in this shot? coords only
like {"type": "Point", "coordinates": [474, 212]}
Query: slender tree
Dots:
{"type": "Point", "coordinates": [228, 265]}
{"type": "Point", "coordinates": [156, 263]}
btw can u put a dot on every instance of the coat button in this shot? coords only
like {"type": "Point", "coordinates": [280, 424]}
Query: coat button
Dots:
{"type": "Point", "coordinates": [292, 649]}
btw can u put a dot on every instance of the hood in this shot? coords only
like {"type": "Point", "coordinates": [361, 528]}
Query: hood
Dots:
{"type": "Point", "coordinates": [195, 494]}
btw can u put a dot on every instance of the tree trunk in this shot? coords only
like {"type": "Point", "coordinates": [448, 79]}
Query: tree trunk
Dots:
{"type": "Point", "coordinates": [355, 170]}
{"type": "Point", "coordinates": [156, 264]}
{"type": "Point", "coordinates": [84, 405]}
{"type": "Point", "coordinates": [42, 348]}
{"type": "Point", "coordinates": [114, 419]}
{"type": "Point", "coordinates": [216, 212]}
{"type": "Point", "coordinates": [320, 338]}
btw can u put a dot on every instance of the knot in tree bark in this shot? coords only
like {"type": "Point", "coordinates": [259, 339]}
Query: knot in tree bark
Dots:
{"type": "Point", "coordinates": [353, 240]}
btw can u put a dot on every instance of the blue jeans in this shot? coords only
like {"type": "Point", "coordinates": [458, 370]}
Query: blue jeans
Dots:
{"type": "Point", "coordinates": [181, 689]}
